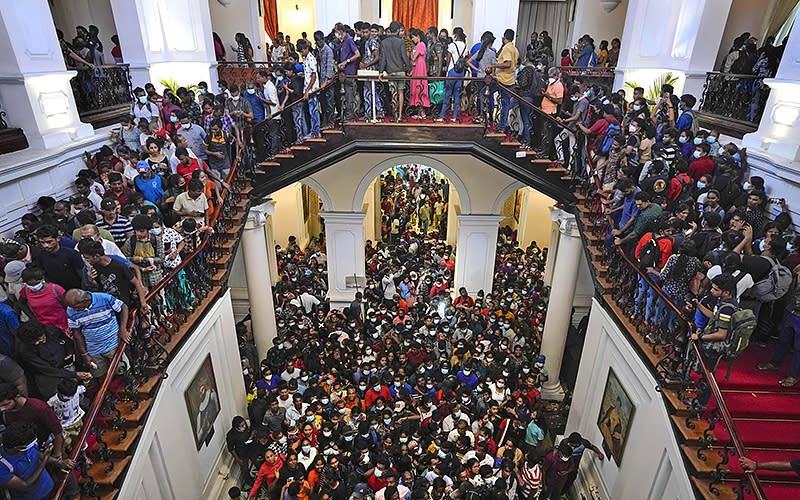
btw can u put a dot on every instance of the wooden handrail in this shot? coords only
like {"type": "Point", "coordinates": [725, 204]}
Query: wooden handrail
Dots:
{"type": "Point", "coordinates": [537, 109]}
{"type": "Point", "coordinates": [736, 75]}
{"type": "Point", "coordinates": [97, 402]}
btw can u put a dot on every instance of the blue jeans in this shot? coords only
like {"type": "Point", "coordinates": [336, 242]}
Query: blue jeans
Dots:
{"type": "Point", "coordinates": [368, 96]}
{"type": "Point", "coordinates": [645, 296]}
{"type": "Point", "coordinates": [526, 112]}
{"type": "Point", "coordinates": [452, 88]}
{"type": "Point", "coordinates": [671, 316]}
{"type": "Point", "coordinates": [300, 125]}
{"type": "Point", "coordinates": [506, 103]}
{"type": "Point", "coordinates": [789, 338]}
{"type": "Point", "coordinates": [313, 111]}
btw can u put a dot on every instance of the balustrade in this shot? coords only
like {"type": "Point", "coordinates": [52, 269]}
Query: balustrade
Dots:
{"type": "Point", "coordinates": [102, 93]}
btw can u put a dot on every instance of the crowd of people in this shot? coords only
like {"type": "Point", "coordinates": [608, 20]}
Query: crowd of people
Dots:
{"type": "Point", "coordinates": [411, 391]}
{"type": "Point", "coordinates": [77, 268]}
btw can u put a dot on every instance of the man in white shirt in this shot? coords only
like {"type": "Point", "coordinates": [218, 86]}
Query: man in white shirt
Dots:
{"type": "Point", "coordinates": [311, 83]}
{"type": "Point", "coordinates": [109, 247]}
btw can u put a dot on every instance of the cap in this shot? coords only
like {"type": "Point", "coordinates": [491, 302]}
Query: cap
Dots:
{"type": "Point", "coordinates": [541, 358]}
{"type": "Point", "coordinates": [108, 204]}
{"type": "Point", "coordinates": [360, 491]}
{"type": "Point", "coordinates": [142, 166]}
{"type": "Point", "coordinates": [13, 271]}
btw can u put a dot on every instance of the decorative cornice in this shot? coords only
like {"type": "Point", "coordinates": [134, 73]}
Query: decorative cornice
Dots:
{"type": "Point", "coordinates": [566, 222]}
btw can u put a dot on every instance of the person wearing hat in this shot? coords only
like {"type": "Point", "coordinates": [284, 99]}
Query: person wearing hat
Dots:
{"type": "Point", "coordinates": [110, 220]}
{"type": "Point", "coordinates": [150, 184]}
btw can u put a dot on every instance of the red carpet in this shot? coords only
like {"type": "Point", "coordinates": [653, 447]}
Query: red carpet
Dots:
{"type": "Point", "coordinates": [767, 417]}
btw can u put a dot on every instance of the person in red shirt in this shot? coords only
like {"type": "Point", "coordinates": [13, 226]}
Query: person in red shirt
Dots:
{"type": "Point", "coordinates": [703, 164]}
{"type": "Point", "coordinates": [598, 129]}
{"type": "Point", "coordinates": [566, 61]}
{"type": "Point", "coordinates": [375, 392]}
{"type": "Point", "coordinates": [117, 189]}
{"type": "Point", "coordinates": [463, 301]}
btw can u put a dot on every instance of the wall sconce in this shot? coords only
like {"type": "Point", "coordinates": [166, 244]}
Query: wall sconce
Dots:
{"type": "Point", "coordinates": [298, 15]}
{"type": "Point", "coordinates": [609, 5]}
{"type": "Point", "coordinates": [785, 114]}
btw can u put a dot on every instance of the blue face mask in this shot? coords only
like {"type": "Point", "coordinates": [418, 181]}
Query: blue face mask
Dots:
{"type": "Point", "coordinates": [746, 186]}
{"type": "Point", "coordinates": [682, 139]}
{"type": "Point", "coordinates": [736, 156]}
{"type": "Point", "coordinates": [701, 185]}
{"type": "Point", "coordinates": [202, 91]}
{"type": "Point", "coordinates": [696, 154]}
{"type": "Point", "coordinates": [636, 107]}
{"type": "Point", "coordinates": [711, 139]}
{"type": "Point", "coordinates": [156, 231]}
{"type": "Point", "coordinates": [251, 91]}
{"type": "Point", "coordinates": [698, 140]}
{"type": "Point", "coordinates": [143, 99]}
{"type": "Point", "coordinates": [173, 119]}
{"type": "Point", "coordinates": [37, 287]}
{"type": "Point", "coordinates": [574, 98]}
{"type": "Point", "coordinates": [762, 245]}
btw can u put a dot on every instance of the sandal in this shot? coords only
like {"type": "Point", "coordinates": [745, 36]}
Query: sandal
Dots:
{"type": "Point", "coordinates": [788, 382]}
{"type": "Point", "coordinates": [766, 367]}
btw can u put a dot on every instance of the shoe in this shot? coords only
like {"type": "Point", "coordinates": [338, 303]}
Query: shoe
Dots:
{"type": "Point", "coordinates": [766, 367]}
{"type": "Point", "coordinates": [454, 120]}
{"type": "Point", "coordinates": [438, 120]}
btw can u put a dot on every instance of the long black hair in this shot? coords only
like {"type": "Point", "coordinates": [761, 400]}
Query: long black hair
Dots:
{"type": "Point", "coordinates": [487, 39]}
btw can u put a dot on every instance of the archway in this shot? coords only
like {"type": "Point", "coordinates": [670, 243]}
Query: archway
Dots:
{"type": "Point", "coordinates": [296, 215]}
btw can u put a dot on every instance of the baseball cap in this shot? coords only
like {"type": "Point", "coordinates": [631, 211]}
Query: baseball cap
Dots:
{"type": "Point", "coordinates": [108, 204]}
{"type": "Point", "coordinates": [142, 166]}
{"type": "Point", "coordinates": [360, 491]}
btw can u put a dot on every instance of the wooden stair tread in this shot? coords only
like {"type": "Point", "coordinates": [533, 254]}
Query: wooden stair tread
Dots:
{"type": "Point", "coordinates": [190, 320]}
{"type": "Point", "coordinates": [101, 477]}
{"type": "Point", "coordinates": [284, 156]}
{"type": "Point", "coordinates": [128, 413]}
{"type": "Point", "coordinates": [300, 147]}
{"type": "Point", "coordinates": [597, 252]}
{"type": "Point", "coordinates": [118, 444]}
{"type": "Point", "coordinates": [647, 349]}
{"type": "Point", "coordinates": [148, 385]}
{"type": "Point", "coordinates": [317, 139]}
{"type": "Point", "coordinates": [332, 131]}
{"type": "Point", "coordinates": [579, 196]}
{"type": "Point", "coordinates": [725, 490]}
{"type": "Point", "coordinates": [604, 284]}
{"type": "Point", "coordinates": [495, 134]}
{"type": "Point", "coordinates": [269, 164]}
{"type": "Point", "coordinates": [511, 143]}
{"type": "Point", "coordinates": [219, 275]}
{"type": "Point", "coordinates": [566, 177]}
{"type": "Point", "coordinates": [690, 434]}
{"type": "Point", "coordinates": [557, 169]}
{"type": "Point", "coordinates": [223, 260]}
{"type": "Point", "coordinates": [601, 269]}
{"type": "Point", "coordinates": [541, 160]}
{"type": "Point", "coordinates": [245, 191]}
{"type": "Point", "coordinates": [672, 396]}
{"type": "Point", "coordinates": [102, 495]}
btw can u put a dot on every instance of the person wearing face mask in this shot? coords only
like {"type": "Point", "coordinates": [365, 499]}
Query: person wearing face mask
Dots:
{"type": "Point", "coordinates": [240, 109]}
{"type": "Point", "coordinates": [237, 440]}
{"type": "Point", "coordinates": [551, 101]}
{"type": "Point", "coordinates": [558, 465]}
{"type": "Point", "coordinates": [702, 163]}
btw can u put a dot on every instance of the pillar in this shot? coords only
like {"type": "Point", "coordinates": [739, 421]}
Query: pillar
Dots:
{"type": "Point", "coordinates": [685, 42]}
{"type": "Point", "coordinates": [778, 133]}
{"type": "Point", "coordinates": [555, 231]}
{"type": "Point", "coordinates": [453, 209]}
{"type": "Point", "coordinates": [344, 236]}
{"type": "Point", "coordinates": [272, 256]}
{"type": "Point", "coordinates": [259, 287]}
{"type": "Point", "coordinates": [35, 89]}
{"type": "Point", "coordinates": [158, 47]}
{"type": "Point", "coordinates": [494, 16]}
{"type": "Point", "coordinates": [475, 252]}
{"type": "Point", "coordinates": [559, 309]}
{"type": "Point", "coordinates": [330, 12]}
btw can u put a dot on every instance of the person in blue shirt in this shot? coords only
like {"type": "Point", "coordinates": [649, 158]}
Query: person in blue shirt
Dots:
{"type": "Point", "coordinates": [468, 377]}
{"type": "Point", "coordinates": [22, 466]}
{"type": "Point", "coordinates": [587, 56]}
{"type": "Point", "coordinates": [256, 98]}
{"type": "Point", "coordinates": [687, 116]}
{"type": "Point", "coordinates": [8, 324]}
{"type": "Point", "coordinates": [150, 184]}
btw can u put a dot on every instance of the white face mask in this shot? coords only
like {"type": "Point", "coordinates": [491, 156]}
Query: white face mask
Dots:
{"type": "Point", "coordinates": [551, 80]}
{"type": "Point", "coordinates": [631, 128]}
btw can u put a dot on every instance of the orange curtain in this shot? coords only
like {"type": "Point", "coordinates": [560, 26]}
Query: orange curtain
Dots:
{"type": "Point", "coordinates": [271, 18]}
{"type": "Point", "coordinates": [420, 14]}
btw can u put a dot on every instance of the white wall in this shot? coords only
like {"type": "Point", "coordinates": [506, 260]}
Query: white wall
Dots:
{"type": "Point", "coordinates": [288, 217]}
{"type": "Point", "coordinates": [26, 175]}
{"type": "Point", "coordinates": [652, 466]}
{"type": "Point", "coordinates": [591, 17]}
{"type": "Point", "coordinates": [238, 16]}
{"type": "Point", "coordinates": [167, 464]}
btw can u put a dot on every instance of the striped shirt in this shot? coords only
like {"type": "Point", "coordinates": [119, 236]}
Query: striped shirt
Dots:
{"type": "Point", "coordinates": [98, 323]}
{"type": "Point", "coordinates": [120, 229]}
{"type": "Point", "coordinates": [531, 479]}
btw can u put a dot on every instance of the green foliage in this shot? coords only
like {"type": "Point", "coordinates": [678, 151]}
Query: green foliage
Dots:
{"type": "Point", "coordinates": [174, 86]}
{"type": "Point", "coordinates": [654, 92]}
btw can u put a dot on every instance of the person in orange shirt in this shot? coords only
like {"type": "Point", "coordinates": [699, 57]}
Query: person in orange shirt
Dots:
{"type": "Point", "coordinates": [551, 100]}
{"type": "Point", "coordinates": [210, 190]}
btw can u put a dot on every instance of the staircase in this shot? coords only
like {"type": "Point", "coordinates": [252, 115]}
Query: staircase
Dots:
{"type": "Point", "coordinates": [766, 416]}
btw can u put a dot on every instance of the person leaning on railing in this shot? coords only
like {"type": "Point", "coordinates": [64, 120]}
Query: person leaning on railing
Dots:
{"type": "Point", "coordinates": [394, 61]}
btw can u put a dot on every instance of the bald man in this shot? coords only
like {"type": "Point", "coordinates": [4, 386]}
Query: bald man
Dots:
{"type": "Point", "coordinates": [99, 322]}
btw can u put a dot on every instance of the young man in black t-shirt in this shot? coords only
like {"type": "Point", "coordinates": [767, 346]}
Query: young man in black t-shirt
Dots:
{"type": "Point", "coordinates": [110, 275]}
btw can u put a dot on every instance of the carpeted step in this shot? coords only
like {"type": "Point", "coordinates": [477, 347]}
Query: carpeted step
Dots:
{"type": "Point", "coordinates": [745, 377]}
{"type": "Point", "coordinates": [770, 405]}
{"type": "Point", "coordinates": [762, 433]}
{"type": "Point", "coordinates": [772, 491]}
{"type": "Point", "coordinates": [705, 468]}
{"type": "Point", "coordinates": [781, 491]}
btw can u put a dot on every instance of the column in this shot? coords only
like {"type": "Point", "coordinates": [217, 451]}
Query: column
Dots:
{"type": "Point", "coordinates": [490, 15]}
{"type": "Point", "coordinates": [35, 86]}
{"type": "Point", "coordinates": [344, 239]}
{"type": "Point", "coordinates": [259, 287]}
{"type": "Point", "coordinates": [475, 252]}
{"type": "Point", "coordinates": [684, 41]}
{"type": "Point", "coordinates": [555, 231]}
{"type": "Point", "coordinates": [556, 324]}
{"type": "Point", "coordinates": [330, 12]}
{"type": "Point", "coordinates": [272, 256]}
{"type": "Point", "coordinates": [166, 40]}
{"type": "Point", "coordinates": [778, 133]}
{"type": "Point", "coordinates": [453, 209]}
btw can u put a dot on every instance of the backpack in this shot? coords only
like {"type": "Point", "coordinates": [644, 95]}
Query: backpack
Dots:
{"type": "Point", "coordinates": [686, 194]}
{"type": "Point", "coordinates": [775, 285]}
{"type": "Point", "coordinates": [607, 140]}
{"type": "Point", "coordinates": [695, 126]}
{"type": "Point", "coordinates": [650, 253]}
{"type": "Point", "coordinates": [525, 78]}
{"type": "Point", "coordinates": [711, 240]}
{"type": "Point", "coordinates": [743, 324]}
{"type": "Point", "coordinates": [461, 63]}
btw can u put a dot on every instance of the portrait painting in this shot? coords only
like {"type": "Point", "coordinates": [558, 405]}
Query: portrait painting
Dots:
{"type": "Point", "coordinates": [202, 402]}
{"type": "Point", "coordinates": [616, 415]}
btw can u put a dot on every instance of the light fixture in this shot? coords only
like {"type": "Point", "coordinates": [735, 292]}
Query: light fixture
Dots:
{"type": "Point", "coordinates": [609, 5]}
{"type": "Point", "coordinates": [785, 114]}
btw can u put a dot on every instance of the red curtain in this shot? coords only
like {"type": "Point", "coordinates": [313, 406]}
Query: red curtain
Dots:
{"type": "Point", "coordinates": [420, 14]}
{"type": "Point", "coordinates": [271, 18]}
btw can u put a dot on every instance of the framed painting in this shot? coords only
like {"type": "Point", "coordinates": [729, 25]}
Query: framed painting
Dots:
{"type": "Point", "coordinates": [616, 414]}
{"type": "Point", "coordinates": [202, 402]}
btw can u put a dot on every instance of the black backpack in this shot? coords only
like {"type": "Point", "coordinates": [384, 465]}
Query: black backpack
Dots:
{"type": "Point", "coordinates": [651, 252]}
{"type": "Point", "coordinates": [461, 63]}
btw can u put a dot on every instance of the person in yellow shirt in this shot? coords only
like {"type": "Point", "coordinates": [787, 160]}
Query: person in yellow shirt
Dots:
{"type": "Point", "coordinates": [507, 60]}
